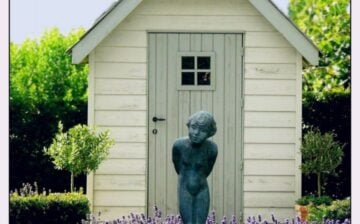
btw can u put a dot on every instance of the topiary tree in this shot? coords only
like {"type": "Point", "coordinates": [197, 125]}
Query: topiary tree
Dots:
{"type": "Point", "coordinates": [79, 150]}
{"type": "Point", "coordinates": [321, 155]}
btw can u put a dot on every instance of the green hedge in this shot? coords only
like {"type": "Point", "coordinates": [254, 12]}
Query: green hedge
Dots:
{"type": "Point", "coordinates": [53, 208]}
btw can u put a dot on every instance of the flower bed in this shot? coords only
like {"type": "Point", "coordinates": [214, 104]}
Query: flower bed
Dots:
{"type": "Point", "coordinates": [172, 219]}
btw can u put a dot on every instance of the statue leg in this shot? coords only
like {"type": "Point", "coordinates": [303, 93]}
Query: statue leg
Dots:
{"type": "Point", "coordinates": [201, 206]}
{"type": "Point", "coordinates": [185, 201]}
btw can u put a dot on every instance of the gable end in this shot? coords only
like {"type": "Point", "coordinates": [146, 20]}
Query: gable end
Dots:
{"type": "Point", "coordinates": [288, 29]}
{"type": "Point", "coordinates": [115, 15]}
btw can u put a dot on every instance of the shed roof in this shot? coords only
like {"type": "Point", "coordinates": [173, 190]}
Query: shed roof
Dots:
{"type": "Point", "coordinates": [120, 9]}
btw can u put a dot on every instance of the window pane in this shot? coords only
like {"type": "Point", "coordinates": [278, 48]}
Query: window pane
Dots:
{"type": "Point", "coordinates": [203, 78]}
{"type": "Point", "coordinates": [187, 62]}
{"type": "Point", "coordinates": [203, 62]}
{"type": "Point", "coordinates": [187, 78]}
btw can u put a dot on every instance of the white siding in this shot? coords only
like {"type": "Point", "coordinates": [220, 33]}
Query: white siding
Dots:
{"type": "Point", "coordinates": [118, 102]}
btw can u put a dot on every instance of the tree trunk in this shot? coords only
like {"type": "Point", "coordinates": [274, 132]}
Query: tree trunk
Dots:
{"type": "Point", "coordinates": [319, 184]}
{"type": "Point", "coordinates": [72, 182]}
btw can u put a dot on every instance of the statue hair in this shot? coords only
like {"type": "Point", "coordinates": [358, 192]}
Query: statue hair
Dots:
{"type": "Point", "coordinates": [204, 117]}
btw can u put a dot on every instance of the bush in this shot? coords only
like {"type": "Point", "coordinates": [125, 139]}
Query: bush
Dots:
{"type": "Point", "coordinates": [80, 150]}
{"type": "Point", "coordinates": [338, 210]}
{"type": "Point", "coordinates": [321, 155]}
{"type": "Point", "coordinates": [311, 199]}
{"type": "Point", "coordinates": [54, 208]}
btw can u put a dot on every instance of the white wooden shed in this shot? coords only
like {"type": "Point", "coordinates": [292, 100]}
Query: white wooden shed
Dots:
{"type": "Point", "coordinates": [241, 60]}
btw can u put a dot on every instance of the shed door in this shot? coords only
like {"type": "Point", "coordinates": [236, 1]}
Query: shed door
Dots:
{"type": "Point", "coordinates": [188, 73]}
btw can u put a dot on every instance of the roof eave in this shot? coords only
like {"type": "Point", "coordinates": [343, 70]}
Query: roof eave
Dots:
{"type": "Point", "coordinates": [288, 29]}
{"type": "Point", "coordinates": [102, 27]}
{"type": "Point", "coordinates": [115, 15]}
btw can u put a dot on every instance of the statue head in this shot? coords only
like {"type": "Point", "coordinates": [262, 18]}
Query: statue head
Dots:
{"type": "Point", "coordinates": [201, 126]}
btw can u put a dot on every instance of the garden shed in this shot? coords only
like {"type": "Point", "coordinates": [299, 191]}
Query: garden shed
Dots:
{"type": "Point", "coordinates": [155, 62]}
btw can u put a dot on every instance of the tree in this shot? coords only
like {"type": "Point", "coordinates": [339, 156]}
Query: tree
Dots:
{"type": "Point", "coordinates": [44, 89]}
{"type": "Point", "coordinates": [331, 114]}
{"type": "Point", "coordinates": [321, 155]}
{"type": "Point", "coordinates": [327, 23]}
{"type": "Point", "coordinates": [80, 150]}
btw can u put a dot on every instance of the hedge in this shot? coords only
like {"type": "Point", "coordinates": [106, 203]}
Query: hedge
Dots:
{"type": "Point", "coordinates": [54, 208]}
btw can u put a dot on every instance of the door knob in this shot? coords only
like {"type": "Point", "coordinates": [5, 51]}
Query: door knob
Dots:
{"type": "Point", "coordinates": [155, 119]}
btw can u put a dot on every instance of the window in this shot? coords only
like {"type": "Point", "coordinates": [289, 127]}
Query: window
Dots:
{"type": "Point", "coordinates": [196, 70]}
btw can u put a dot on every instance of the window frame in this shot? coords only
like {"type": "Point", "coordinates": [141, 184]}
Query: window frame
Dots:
{"type": "Point", "coordinates": [195, 86]}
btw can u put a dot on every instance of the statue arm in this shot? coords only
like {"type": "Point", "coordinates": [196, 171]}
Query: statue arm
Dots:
{"type": "Point", "coordinates": [176, 158]}
{"type": "Point", "coordinates": [212, 159]}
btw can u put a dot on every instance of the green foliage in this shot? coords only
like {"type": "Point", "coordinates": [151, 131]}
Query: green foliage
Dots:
{"type": "Point", "coordinates": [303, 200]}
{"type": "Point", "coordinates": [42, 71]}
{"type": "Point", "coordinates": [54, 208]}
{"type": "Point", "coordinates": [327, 23]}
{"type": "Point", "coordinates": [44, 89]}
{"type": "Point", "coordinates": [321, 154]}
{"type": "Point", "coordinates": [330, 114]}
{"type": "Point", "coordinates": [80, 150]}
{"type": "Point", "coordinates": [337, 210]}
{"type": "Point", "coordinates": [340, 209]}
{"type": "Point", "coordinates": [312, 199]}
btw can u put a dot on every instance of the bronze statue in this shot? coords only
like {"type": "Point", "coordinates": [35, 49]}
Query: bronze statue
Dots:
{"type": "Point", "coordinates": [194, 157]}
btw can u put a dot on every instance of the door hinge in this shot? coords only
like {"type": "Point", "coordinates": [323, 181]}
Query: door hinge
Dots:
{"type": "Point", "coordinates": [241, 217]}
{"type": "Point", "coordinates": [242, 51]}
{"type": "Point", "coordinates": [242, 103]}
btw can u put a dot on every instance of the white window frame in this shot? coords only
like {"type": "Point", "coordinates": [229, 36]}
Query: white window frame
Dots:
{"type": "Point", "coordinates": [196, 70]}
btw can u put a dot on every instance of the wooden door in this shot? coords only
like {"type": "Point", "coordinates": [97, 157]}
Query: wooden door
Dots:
{"type": "Point", "coordinates": [189, 72]}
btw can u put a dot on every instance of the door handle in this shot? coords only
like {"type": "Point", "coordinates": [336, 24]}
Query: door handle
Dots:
{"type": "Point", "coordinates": [155, 119]}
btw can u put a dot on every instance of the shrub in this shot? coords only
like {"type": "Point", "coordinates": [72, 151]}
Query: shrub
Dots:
{"type": "Point", "coordinates": [31, 207]}
{"type": "Point", "coordinates": [338, 210]}
{"type": "Point", "coordinates": [80, 150]}
{"type": "Point", "coordinates": [321, 155]}
{"type": "Point", "coordinates": [312, 199]}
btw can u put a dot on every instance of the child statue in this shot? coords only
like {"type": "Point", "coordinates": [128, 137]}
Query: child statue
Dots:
{"type": "Point", "coordinates": [194, 158]}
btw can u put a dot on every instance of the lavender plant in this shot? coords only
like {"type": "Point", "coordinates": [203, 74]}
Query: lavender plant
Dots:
{"type": "Point", "coordinates": [211, 219]}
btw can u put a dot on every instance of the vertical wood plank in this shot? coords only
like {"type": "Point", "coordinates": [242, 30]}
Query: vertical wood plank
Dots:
{"type": "Point", "coordinates": [152, 138]}
{"type": "Point", "coordinates": [161, 99]}
{"type": "Point", "coordinates": [298, 132]}
{"type": "Point", "coordinates": [195, 45]}
{"type": "Point", "coordinates": [91, 121]}
{"type": "Point", "coordinates": [207, 100]}
{"type": "Point", "coordinates": [184, 96]}
{"type": "Point", "coordinates": [239, 130]}
{"type": "Point", "coordinates": [172, 123]}
{"type": "Point", "coordinates": [229, 122]}
{"type": "Point", "coordinates": [218, 172]}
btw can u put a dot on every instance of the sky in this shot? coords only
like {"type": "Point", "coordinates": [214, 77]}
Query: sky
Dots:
{"type": "Point", "coordinates": [30, 18]}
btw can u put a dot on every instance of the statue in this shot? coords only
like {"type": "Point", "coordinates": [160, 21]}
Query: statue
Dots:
{"type": "Point", "coordinates": [194, 157]}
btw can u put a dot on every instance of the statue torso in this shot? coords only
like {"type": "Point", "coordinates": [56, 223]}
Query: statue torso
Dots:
{"type": "Point", "coordinates": [194, 164]}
